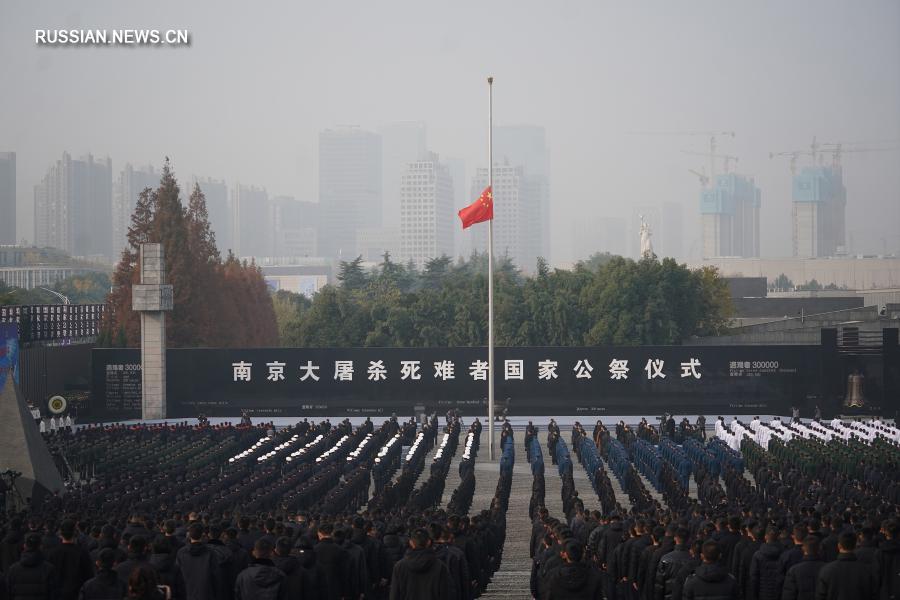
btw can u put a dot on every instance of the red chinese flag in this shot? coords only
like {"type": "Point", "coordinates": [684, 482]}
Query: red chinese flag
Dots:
{"type": "Point", "coordinates": [479, 211]}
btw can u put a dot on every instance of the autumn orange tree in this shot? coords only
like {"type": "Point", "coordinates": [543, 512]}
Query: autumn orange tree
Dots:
{"type": "Point", "coordinates": [216, 303]}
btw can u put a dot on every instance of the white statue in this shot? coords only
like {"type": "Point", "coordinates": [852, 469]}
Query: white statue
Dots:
{"type": "Point", "coordinates": [646, 244]}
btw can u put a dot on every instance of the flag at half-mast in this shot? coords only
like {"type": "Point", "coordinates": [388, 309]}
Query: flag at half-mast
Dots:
{"type": "Point", "coordinates": [479, 211]}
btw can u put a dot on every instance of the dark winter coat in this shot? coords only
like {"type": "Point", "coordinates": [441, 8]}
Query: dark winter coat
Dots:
{"type": "Point", "coordinates": [126, 568]}
{"type": "Point", "coordinates": [105, 586]}
{"type": "Point", "coordinates": [392, 552]}
{"type": "Point", "coordinates": [727, 541]}
{"type": "Point", "coordinates": [648, 582]}
{"type": "Point", "coordinates": [764, 574]}
{"type": "Point", "coordinates": [460, 583]}
{"type": "Point", "coordinates": [800, 580]}
{"type": "Point", "coordinates": [73, 568]}
{"type": "Point", "coordinates": [199, 567]}
{"type": "Point", "coordinates": [315, 582]}
{"type": "Point", "coordinates": [788, 559]}
{"type": "Point", "coordinates": [711, 582]}
{"type": "Point", "coordinates": [335, 562]}
{"type": "Point", "coordinates": [359, 576]}
{"type": "Point", "coordinates": [10, 549]}
{"type": "Point", "coordinates": [743, 558]}
{"type": "Point", "coordinates": [574, 581]}
{"type": "Point", "coordinates": [169, 574]}
{"type": "Point", "coordinates": [137, 530]}
{"type": "Point", "coordinates": [32, 578]}
{"type": "Point", "coordinates": [293, 572]}
{"type": "Point", "coordinates": [262, 580]}
{"type": "Point", "coordinates": [887, 560]}
{"type": "Point", "coordinates": [611, 538]}
{"type": "Point", "coordinates": [846, 579]}
{"type": "Point", "coordinates": [669, 567]}
{"type": "Point", "coordinates": [420, 575]}
{"type": "Point", "coordinates": [686, 570]}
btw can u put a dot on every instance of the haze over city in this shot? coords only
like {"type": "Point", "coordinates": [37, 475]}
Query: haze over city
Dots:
{"type": "Point", "coordinates": [247, 100]}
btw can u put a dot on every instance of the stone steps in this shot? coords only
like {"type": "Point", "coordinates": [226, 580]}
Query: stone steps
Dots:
{"type": "Point", "coordinates": [512, 580]}
{"type": "Point", "coordinates": [509, 584]}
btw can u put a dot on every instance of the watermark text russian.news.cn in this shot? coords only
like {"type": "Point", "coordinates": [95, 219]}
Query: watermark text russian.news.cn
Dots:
{"type": "Point", "coordinates": [112, 37]}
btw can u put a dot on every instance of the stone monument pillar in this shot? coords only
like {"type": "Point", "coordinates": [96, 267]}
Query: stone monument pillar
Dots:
{"type": "Point", "coordinates": [152, 297]}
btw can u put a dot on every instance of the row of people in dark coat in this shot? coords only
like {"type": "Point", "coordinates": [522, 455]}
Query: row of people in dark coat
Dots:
{"type": "Point", "coordinates": [347, 558]}
{"type": "Point", "coordinates": [741, 546]}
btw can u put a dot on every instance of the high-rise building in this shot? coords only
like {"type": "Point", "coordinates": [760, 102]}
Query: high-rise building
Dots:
{"type": "Point", "coordinates": [296, 226]}
{"type": "Point", "coordinates": [218, 209]}
{"type": "Point", "coordinates": [252, 220]}
{"type": "Point", "coordinates": [350, 190]}
{"type": "Point", "coordinates": [126, 189]}
{"type": "Point", "coordinates": [426, 211]}
{"type": "Point", "coordinates": [819, 205]}
{"type": "Point", "coordinates": [517, 226]}
{"type": "Point", "coordinates": [729, 215]}
{"type": "Point", "coordinates": [526, 146]}
{"type": "Point", "coordinates": [401, 143]}
{"type": "Point", "coordinates": [462, 241]}
{"type": "Point", "coordinates": [73, 207]}
{"type": "Point", "coordinates": [7, 198]}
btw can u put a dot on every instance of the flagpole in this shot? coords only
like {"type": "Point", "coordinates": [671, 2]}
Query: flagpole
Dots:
{"type": "Point", "coordinates": [491, 271]}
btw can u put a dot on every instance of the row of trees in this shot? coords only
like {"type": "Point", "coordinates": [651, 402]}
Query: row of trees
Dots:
{"type": "Point", "coordinates": [221, 303]}
{"type": "Point", "coordinates": [605, 300]}
{"type": "Point", "coordinates": [783, 284]}
{"type": "Point", "coordinates": [87, 288]}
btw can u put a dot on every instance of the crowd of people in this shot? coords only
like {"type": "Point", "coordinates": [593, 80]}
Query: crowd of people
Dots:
{"type": "Point", "coordinates": [761, 511]}
{"type": "Point", "coordinates": [244, 512]}
{"type": "Point", "coordinates": [797, 519]}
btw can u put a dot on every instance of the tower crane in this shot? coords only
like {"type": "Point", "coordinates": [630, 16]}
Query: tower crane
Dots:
{"type": "Point", "coordinates": [701, 175]}
{"type": "Point", "coordinates": [839, 148]}
{"type": "Point", "coordinates": [726, 158]}
{"type": "Point", "coordinates": [713, 144]}
{"type": "Point", "coordinates": [796, 154]}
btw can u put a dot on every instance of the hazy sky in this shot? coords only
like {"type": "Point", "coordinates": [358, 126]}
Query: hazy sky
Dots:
{"type": "Point", "coordinates": [247, 99]}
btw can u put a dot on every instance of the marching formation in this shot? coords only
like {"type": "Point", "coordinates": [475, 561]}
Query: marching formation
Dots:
{"type": "Point", "coordinates": [243, 513]}
{"type": "Point", "coordinates": [796, 519]}
{"type": "Point", "coordinates": [760, 511]}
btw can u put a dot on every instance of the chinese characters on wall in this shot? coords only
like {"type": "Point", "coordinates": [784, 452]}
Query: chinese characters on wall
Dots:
{"type": "Point", "coordinates": [477, 370]}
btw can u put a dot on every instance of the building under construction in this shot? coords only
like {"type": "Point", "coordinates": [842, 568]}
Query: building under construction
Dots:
{"type": "Point", "coordinates": [819, 203]}
{"type": "Point", "coordinates": [729, 214]}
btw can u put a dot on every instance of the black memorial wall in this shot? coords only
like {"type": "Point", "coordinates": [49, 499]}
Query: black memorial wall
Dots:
{"type": "Point", "coordinates": [590, 381]}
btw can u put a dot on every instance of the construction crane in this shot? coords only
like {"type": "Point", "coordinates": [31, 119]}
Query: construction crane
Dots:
{"type": "Point", "coordinates": [701, 175]}
{"type": "Point", "coordinates": [796, 154]}
{"type": "Point", "coordinates": [839, 148]}
{"type": "Point", "coordinates": [713, 144]}
{"type": "Point", "coordinates": [726, 158]}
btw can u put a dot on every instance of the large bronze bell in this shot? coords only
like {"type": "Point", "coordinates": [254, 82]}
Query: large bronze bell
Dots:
{"type": "Point", "coordinates": [855, 397]}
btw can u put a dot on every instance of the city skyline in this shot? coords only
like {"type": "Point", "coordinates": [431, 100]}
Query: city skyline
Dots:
{"type": "Point", "coordinates": [590, 75]}
{"type": "Point", "coordinates": [224, 207]}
